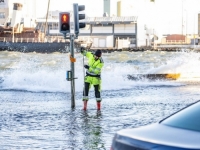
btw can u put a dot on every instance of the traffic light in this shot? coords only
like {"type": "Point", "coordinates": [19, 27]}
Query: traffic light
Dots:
{"type": "Point", "coordinates": [78, 17]}
{"type": "Point", "coordinates": [64, 22]}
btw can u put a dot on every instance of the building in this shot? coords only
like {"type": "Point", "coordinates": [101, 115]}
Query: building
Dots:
{"type": "Point", "coordinates": [28, 13]}
{"type": "Point", "coordinates": [104, 32]}
{"type": "Point", "coordinates": [178, 39]}
{"type": "Point", "coordinates": [145, 28]}
{"type": "Point", "coordinates": [175, 39]}
{"type": "Point", "coordinates": [4, 11]}
{"type": "Point", "coordinates": [111, 32]}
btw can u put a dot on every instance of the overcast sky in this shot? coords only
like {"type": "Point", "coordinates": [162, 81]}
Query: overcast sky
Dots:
{"type": "Point", "coordinates": [166, 16]}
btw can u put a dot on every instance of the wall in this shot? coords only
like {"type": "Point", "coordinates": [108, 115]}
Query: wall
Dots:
{"type": "Point", "coordinates": [3, 15]}
{"type": "Point", "coordinates": [124, 28]}
{"type": "Point", "coordinates": [3, 11]}
{"type": "Point", "coordinates": [178, 42]}
{"type": "Point", "coordinates": [102, 29]}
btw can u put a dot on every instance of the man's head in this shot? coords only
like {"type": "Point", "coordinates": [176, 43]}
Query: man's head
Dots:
{"type": "Point", "coordinates": [98, 53]}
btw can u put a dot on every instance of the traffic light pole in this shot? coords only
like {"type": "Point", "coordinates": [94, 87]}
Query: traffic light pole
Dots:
{"type": "Point", "coordinates": [73, 72]}
{"type": "Point", "coordinates": [64, 27]}
{"type": "Point", "coordinates": [70, 76]}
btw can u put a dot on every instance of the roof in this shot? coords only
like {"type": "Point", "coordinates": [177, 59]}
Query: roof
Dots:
{"type": "Point", "coordinates": [112, 20]}
{"type": "Point", "coordinates": [175, 37]}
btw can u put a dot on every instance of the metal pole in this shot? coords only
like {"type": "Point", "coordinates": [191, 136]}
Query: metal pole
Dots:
{"type": "Point", "coordinates": [154, 39]}
{"type": "Point", "coordinates": [182, 27]}
{"type": "Point", "coordinates": [194, 31]}
{"type": "Point", "coordinates": [73, 72]}
{"type": "Point", "coordinates": [186, 27]}
{"type": "Point", "coordinates": [83, 76]}
{"type": "Point", "coordinates": [154, 28]}
{"type": "Point", "coordinates": [46, 19]}
{"type": "Point", "coordinates": [13, 37]}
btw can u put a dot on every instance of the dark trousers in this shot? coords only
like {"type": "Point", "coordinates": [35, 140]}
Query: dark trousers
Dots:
{"type": "Point", "coordinates": [96, 89]}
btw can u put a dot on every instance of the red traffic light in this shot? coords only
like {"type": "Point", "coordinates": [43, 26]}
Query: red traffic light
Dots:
{"type": "Point", "coordinates": [64, 22]}
{"type": "Point", "coordinates": [65, 17]}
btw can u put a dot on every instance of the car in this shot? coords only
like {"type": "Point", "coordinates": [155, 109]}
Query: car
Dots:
{"type": "Point", "coordinates": [179, 131]}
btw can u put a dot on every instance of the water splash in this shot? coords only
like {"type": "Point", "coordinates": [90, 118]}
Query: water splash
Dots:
{"type": "Point", "coordinates": [47, 72]}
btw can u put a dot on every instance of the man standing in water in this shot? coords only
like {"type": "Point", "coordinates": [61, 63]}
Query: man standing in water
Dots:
{"type": "Point", "coordinates": [93, 76]}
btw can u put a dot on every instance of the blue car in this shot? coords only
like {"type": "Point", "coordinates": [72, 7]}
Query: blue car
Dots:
{"type": "Point", "coordinates": [180, 131]}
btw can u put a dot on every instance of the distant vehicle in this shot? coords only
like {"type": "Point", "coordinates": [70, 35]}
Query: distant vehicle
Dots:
{"type": "Point", "coordinates": [180, 131]}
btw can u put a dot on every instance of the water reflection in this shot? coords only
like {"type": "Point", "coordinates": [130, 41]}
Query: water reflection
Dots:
{"type": "Point", "coordinates": [84, 130]}
{"type": "Point", "coordinates": [92, 130]}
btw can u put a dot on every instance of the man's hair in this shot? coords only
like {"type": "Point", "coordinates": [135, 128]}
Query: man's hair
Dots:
{"type": "Point", "coordinates": [98, 53]}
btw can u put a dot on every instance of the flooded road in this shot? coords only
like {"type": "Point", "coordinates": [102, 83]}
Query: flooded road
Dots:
{"type": "Point", "coordinates": [35, 108]}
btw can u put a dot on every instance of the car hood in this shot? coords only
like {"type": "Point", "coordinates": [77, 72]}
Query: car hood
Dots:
{"type": "Point", "coordinates": [164, 135]}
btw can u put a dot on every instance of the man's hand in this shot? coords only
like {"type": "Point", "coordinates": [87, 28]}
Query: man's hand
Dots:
{"type": "Point", "coordinates": [86, 66]}
{"type": "Point", "coordinates": [82, 49]}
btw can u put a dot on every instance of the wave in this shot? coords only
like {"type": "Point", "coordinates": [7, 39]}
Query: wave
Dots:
{"type": "Point", "coordinates": [34, 72]}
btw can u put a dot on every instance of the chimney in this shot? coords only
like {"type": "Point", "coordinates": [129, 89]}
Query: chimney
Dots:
{"type": "Point", "coordinates": [17, 14]}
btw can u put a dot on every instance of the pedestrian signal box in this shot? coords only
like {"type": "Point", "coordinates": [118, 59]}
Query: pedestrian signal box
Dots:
{"type": "Point", "coordinates": [64, 22]}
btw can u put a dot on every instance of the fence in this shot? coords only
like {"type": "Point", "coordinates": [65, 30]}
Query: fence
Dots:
{"type": "Point", "coordinates": [51, 39]}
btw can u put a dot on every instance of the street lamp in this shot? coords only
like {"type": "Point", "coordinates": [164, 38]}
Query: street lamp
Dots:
{"type": "Point", "coordinates": [186, 19]}
{"type": "Point", "coordinates": [194, 30]}
{"type": "Point", "coordinates": [182, 24]}
{"type": "Point", "coordinates": [185, 25]}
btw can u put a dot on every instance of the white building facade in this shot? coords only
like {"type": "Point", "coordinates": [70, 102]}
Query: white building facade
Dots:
{"type": "Point", "coordinates": [28, 12]}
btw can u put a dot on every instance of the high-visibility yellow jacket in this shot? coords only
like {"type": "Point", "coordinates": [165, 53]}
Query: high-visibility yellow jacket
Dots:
{"type": "Point", "coordinates": [95, 65]}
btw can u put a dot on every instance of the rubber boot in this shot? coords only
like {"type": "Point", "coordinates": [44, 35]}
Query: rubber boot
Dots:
{"type": "Point", "coordinates": [98, 105]}
{"type": "Point", "coordinates": [85, 105]}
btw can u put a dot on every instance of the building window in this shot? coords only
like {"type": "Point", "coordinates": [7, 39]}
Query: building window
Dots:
{"type": "Point", "coordinates": [132, 41]}
{"type": "Point", "coordinates": [2, 15]}
{"type": "Point", "coordinates": [53, 26]}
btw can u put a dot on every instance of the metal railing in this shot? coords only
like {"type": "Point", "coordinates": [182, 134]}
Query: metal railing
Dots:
{"type": "Point", "coordinates": [34, 40]}
{"type": "Point", "coordinates": [111, 19]}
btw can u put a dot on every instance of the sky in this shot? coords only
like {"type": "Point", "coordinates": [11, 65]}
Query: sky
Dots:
{"type": "Point", "coordinates": [93, 7]}
{"type": "Point", "coordinates": [164, 16]}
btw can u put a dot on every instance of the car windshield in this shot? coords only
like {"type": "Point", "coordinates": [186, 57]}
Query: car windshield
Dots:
{"type": "Point", "coordinates": [188, 118]}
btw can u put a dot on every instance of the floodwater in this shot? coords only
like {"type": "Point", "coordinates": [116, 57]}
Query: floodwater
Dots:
{"type": "Point", "coordinates": [35, 97]}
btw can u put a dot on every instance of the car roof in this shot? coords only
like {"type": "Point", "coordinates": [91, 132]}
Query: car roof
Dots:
{"type": "Point", "coordinates": [164, 135]}
{"type": "Point", "coordinates": [187, 118]}
{"type": "Point", "coordinates": [170, 131]}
